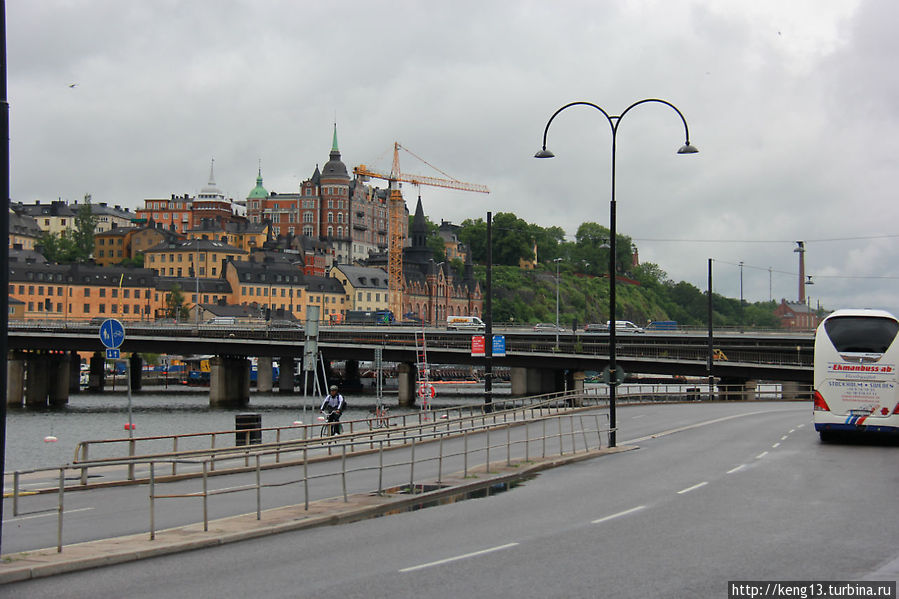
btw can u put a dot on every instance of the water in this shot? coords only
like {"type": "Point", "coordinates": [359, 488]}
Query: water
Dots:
{"type": "Point", "coordinates": [177, 410]}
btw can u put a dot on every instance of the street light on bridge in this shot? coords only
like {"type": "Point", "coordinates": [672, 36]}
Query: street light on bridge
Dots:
{"type": "Point", "coordinates": [544, 153]}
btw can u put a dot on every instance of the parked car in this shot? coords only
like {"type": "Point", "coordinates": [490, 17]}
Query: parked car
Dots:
{"type": "Point", "coordinates": [548, 327]}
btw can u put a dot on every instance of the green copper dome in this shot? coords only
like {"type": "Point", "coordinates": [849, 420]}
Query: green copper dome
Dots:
{"type": "Point", "coordinates": [259, 191]}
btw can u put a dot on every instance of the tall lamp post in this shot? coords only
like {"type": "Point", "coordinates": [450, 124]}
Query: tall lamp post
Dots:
{"type": "Point", "coordinates": [557, 260]}
{"type": "Point", "coordinates": [614, 121]}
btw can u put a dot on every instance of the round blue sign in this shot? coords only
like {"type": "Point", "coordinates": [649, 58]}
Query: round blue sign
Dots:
{"type": "Point", "coordinates": [112, 333]}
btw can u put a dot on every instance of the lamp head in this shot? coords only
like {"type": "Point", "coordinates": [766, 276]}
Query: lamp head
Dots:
{"type": "Point", "coordinates": [687, 149]}
{"type": "Point", "coordinates": [544, 153]}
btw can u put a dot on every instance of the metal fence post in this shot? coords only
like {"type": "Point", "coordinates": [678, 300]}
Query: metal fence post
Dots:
{"type": "Point", "coordinates": [62, 489]}
{"type": "Point", "coordinates": [380, 467]}
{"type": "Point", "coordinates": [343, 469]}
{"type": "Point", "coordinates": [131, 448]}
{"type": "Point", "coordinates": [15, 493]}
{"type": "Point", "coordinates": [508, 445]}
{"type": "Point", "coordinates": [174, 450]}
{"type": "Point", "coordinates": [598, 434]}
{"type": "Point", "coordinates": [305, 475]}
{"type": "Point", "coordinates": [258, 490]}
{"type": "Point", "coordinates": [412, 469]}
{"type": "Point", "coordinates": [152, 503]}
{"type": "Point", "coordinates": [543, 438]}
{"type": "Point", "coordinates": [440, 463]}
{"type": "Point", "coordinates": [205, 496]}
{"type": "Point", "coordinates": [84, 459]}
{"type": "Point", "coordinates": [561, 444]}
{"type": "Point", "coordinates": [488, 449]}
{"type": "Point", "coordinates": [465, 454]}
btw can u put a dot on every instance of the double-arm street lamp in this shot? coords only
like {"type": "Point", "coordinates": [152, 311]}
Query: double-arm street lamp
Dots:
{"type": "Point", "coordinates": [544, 153]}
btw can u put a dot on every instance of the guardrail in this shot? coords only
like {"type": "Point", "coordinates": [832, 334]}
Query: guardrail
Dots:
{"type": "Point", "coordinates": [557, 434]}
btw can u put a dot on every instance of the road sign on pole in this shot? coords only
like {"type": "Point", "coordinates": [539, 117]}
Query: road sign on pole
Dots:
{"type": "Point", "coordinates": [112, 333]}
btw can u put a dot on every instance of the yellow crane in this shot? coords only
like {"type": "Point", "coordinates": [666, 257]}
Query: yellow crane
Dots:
{"type": "Point", "coordinates": [395, 205]}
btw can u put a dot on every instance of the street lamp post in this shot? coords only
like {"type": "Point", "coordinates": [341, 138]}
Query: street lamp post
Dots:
{"type": "Point", "coordinates": [557, 260]}
{"type": "Point", "coordinates": [614, 121]}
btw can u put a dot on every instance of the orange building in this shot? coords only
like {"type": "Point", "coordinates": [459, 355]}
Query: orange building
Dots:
{"type": "Point", "coordinates": [112, 246]}
{"type": "Point", "coordinates": [176, 259]}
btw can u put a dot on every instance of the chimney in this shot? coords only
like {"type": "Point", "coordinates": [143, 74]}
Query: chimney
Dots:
{"type": "Point", "coordinates": [800, 249]}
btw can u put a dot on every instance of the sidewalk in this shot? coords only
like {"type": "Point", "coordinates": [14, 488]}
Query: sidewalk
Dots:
{"type": "Point", "coordinates": [48, 562]}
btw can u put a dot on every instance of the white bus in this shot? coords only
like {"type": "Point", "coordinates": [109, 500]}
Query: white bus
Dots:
{"type": "Point", "coordinates": [855, 379]}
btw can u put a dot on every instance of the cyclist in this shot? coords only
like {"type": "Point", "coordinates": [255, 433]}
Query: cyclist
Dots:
{"type": "Point", "coordinates": [334, 404]}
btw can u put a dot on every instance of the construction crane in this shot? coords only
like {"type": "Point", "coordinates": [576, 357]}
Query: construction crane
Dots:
{"type": "Point", "coordinates": [396, 215]}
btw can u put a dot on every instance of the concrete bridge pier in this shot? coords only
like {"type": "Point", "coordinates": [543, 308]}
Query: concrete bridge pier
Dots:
{"type": "Point", "coordinates": [58, 373]}
{"type": "Point", "coordinates": [97, 378]}
{"type": "Point", "coordinates": [136, 366]}
{"type": "Point", "coordinates": [229, 381]}
{"type": "Point", "coordinates": [790, 391]}
{"type": "Point", "coordinates": [37, 380]}
{"type": "Point", "coordinates": [536, 381]}
{"type": "Point", "coordinates": [264, 374]}
{"type": "Point", "coordinates": [406, 378]}
{"type": "Point", "coordinates": [737, 389]}
{"type": "Point", "coordinates": [574, 382]}
{"type": "Point", "coordinates": [287, 369]}
{"type": "Point", "coordinates": [351, 378]}
{"type": "Point", "coordinates": [74, 373]}
{"type": "Point", "coordinates": [15, 379]}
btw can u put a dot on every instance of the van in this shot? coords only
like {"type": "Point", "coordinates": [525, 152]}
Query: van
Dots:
{"type": "Point", "coordinates": [229, 321]}
{"type": "Point", "coordinates": [465, 323]}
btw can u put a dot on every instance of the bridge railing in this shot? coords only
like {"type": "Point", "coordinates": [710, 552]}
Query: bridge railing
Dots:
{"type": "Point", "coordinates": [552, 434]}
{"type": "Point", "coordinates": [204, 442]}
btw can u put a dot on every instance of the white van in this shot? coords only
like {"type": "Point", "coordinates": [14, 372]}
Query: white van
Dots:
{"type": "Point", "coordinates": [465, 323]}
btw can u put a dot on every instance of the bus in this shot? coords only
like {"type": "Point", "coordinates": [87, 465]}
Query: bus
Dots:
{"type": "Point", "coordinates": [855, 373]}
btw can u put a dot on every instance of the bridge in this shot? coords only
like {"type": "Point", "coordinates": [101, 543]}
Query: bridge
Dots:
{"type": "Point", "coordinates": [540, 362]}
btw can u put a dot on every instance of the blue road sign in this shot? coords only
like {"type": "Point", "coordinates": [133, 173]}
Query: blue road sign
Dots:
{"type": "Point", "coordinates": [113, 354]}
{"type": "Point", "coordinates": [499, 345]}
{"type": "Point", "coordinates": [112, 333]}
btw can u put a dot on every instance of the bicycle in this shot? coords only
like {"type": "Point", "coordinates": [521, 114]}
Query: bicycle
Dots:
{"type": "Point", "coordinates": [332, 426]}
{"type": "Point", "coordinates": [381, 417]}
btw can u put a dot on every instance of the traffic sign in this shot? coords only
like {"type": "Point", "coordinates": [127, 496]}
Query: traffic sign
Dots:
{"type": "Point", "coordinates": [112, 333]}
{"type": "Point", "coordinates": [477, 345]}
{"type": "Point", "coordinates": [113, 354]}
{"type": "Point", "coordinates": [499, 345]}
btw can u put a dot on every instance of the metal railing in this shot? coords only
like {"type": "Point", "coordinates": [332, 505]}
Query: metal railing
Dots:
{"type": "Point", "coordinates": [555, 433]}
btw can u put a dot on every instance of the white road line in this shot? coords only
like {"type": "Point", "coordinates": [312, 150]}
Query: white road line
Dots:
{"type": "Point", "coordinates": [639, 416]}
{"type": "Point", "coordinates": [761, 455]}
{"type": "Point", "coordinates": [792, 430]}
{"type": "Point", "coordinates": [775, 446]}
{"type": "Point", "coordinates": [54, 513]}
{"type": "Point", "coordinates": [618, 515]}
{"type": "Point", "coordinates": [800, 426]}
{"type": "Point", "coordinates": [737, 469]}
{"type": "Point", "coordinates": [784, 438]}
{"type": "Point", "coordinates": [693, 488]}
{"type": "Point", "coordinates": [458, 557]}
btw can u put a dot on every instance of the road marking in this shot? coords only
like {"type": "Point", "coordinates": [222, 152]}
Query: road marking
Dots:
{"type": "Point", "coordinates": [458, 557]}
{"type": "Point", "coordinates": [618, 515]}
{"type": "Point", "coordinates": [775, 446]}
{"type": "Point", "coordinates": [792, 430]}
{"type": "Point", "coordinates": [47, 515]}
{"type": "Point", "coordinates": [639, 416]}
{"type": "Point", "coordinates": [737, 469]}
{"type": "Point", "coordinates": [693, 488]}
{"type": "Point", "coordinates": [697, 425]}
{"type": "Point", "coordinates": [800, 426]}
{"type": "Point", "coordinates": [761, 455]}
{"type": "Point", "coordinates": [784, 438]}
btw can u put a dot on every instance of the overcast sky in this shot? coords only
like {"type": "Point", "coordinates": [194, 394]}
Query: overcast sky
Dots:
{"type": "Point", "coordinates": [793, 105]}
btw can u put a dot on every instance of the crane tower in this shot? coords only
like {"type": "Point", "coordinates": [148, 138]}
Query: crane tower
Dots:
{"type": "Point", "coordinates": [395, 205]}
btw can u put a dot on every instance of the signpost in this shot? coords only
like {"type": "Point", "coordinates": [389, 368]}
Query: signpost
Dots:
{"type": "Point", "coordinates": [112, 334]}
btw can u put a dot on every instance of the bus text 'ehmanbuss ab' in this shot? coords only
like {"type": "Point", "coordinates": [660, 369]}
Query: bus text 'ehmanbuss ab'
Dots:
{"type": "Point", "coordinates": [856, 384]}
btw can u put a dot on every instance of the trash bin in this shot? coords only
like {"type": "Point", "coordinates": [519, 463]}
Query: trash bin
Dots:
{"type": "Point", "coordinates": [249, 429]}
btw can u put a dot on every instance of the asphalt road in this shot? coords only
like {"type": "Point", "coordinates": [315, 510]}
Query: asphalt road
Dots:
{"type": "Point", "coordinates": [715, 493]}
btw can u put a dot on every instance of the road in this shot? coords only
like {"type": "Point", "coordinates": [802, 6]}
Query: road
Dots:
{"type": "Point", "coordinates": [714, 493]}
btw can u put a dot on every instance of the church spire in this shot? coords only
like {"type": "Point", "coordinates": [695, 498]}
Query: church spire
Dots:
{"type": "Point", "coordinates": [334, 147]}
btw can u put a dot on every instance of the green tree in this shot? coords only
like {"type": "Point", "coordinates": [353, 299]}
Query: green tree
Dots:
{"type": "Point", "coordinates": [174, 302]}
{"type": "Point", "coordinates": [85, 227]}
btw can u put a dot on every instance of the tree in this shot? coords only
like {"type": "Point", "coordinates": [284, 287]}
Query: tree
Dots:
{"type": "Point", "coordinates": [85, 227]}
{"type": "Point", "coordinates": [174, 302]}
